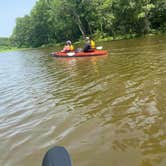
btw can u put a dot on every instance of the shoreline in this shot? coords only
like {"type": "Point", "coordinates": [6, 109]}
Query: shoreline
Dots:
{"type": "Point", "coordinates": [106, 39]}
{"type": "Point", "coordinates": [97, 39]}
{"type": "Point", "coordinates": [13, 49]}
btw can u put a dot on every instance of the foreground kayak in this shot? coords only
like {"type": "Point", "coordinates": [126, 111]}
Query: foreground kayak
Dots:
{"type": "Point", "coordinates": [79, 54]}
{"type": "Point", "coordinates": [57, 156]}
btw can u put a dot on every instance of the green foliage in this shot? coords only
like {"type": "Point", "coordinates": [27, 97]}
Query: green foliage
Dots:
{"type": "Point", "coordinates": [53, 21]}
{"type": "Point", "coordinates": [4, 41]}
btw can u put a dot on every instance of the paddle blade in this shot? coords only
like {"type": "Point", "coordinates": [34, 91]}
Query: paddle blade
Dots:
{"type": "Point", "coordinates": [71, 53]}
{"type": "Point", "coordinates": [99, 47]}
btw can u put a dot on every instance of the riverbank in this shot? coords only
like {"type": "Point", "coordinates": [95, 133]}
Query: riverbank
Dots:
{"type": "Point", "coordinates": [96, 38]}
{"type": "Point", "coordinates": [8, 49]}
{"type": "Point", "coordinates": [99, 39]}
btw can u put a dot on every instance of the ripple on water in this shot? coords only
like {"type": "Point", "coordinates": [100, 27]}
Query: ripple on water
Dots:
{"type": "Point", "coordinates": [109, 108]}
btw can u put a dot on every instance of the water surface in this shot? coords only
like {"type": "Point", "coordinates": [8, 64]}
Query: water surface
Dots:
{"type": "Point", "coordinates": [108, 110]}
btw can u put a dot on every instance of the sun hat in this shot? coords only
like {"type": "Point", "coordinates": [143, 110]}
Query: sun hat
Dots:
{"type": "Point", "coordinates": [68, 42]}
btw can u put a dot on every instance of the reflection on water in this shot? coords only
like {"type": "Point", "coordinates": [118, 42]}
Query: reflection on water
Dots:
{"type": "Point", "coordinates": [105, 110]}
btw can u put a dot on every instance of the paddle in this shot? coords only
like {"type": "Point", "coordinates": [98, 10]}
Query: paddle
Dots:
{"type": "Point", "coordinates": [71, 53]}
{"type": "Point", "coordinates": [57, 156]}
{"type": "Point", "coordinates": [99, 47]}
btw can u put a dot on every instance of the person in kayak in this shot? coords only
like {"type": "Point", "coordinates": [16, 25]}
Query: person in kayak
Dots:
{"type": "Point", "coordinates": [68, 47]}
{"type": "Point", "coordinates": [89, 45]}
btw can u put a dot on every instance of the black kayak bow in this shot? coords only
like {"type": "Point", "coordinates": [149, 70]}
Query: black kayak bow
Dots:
{"type": "Point", "coordinates": [57, 156]}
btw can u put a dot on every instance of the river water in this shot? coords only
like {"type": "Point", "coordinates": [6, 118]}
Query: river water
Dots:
{"type": "Point", "coordinates": [108, 111]}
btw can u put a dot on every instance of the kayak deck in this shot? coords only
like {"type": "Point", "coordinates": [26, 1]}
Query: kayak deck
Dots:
{"type": "Point", "coordinates": [79, 54]}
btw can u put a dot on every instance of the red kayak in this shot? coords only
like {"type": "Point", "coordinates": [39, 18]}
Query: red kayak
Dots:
{"type": "Point", "coordinates": [79, 54]}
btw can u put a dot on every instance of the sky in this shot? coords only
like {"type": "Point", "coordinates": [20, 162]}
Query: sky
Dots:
{"type": "Point", "coordinates": [9, 11]}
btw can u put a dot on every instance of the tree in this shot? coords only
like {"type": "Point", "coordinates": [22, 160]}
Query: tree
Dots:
{"type": "Point", "coordinates": [59, 20]}
{"type": "Point", "coordinates": [22, 32]}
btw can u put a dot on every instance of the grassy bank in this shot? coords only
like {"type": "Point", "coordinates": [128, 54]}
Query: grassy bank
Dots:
{"type": "Point", "coordinates": [5, 49]}
{"type": "Point", "coordinates": [8, 49]}
{"type": "Point", "coordinates": [96, 38]}
{"type": "Point", "coordinates": [104, 39]}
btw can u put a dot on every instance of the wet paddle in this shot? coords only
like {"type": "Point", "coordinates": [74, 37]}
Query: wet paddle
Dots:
{"type": "Point", "coordinates": [57, 156]}
{"type": "Point", "coordinates": [99, 47]}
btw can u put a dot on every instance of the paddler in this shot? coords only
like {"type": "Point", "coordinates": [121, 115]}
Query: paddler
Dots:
{"type": "Point", "coordinates": [68, 47]}
{"type": "Point", "coordinates": [89, 45]}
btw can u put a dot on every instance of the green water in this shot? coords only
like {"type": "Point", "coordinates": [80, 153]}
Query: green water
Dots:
{"type": "Point", "coordinates": [108, 110]}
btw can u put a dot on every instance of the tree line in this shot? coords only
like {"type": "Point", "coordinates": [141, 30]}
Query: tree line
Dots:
{"type": "Point", "coordinates": [54, 21]}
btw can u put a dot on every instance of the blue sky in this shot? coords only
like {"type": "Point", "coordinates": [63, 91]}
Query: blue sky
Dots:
{"type": "Point", "coordinates": [9, 11]}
